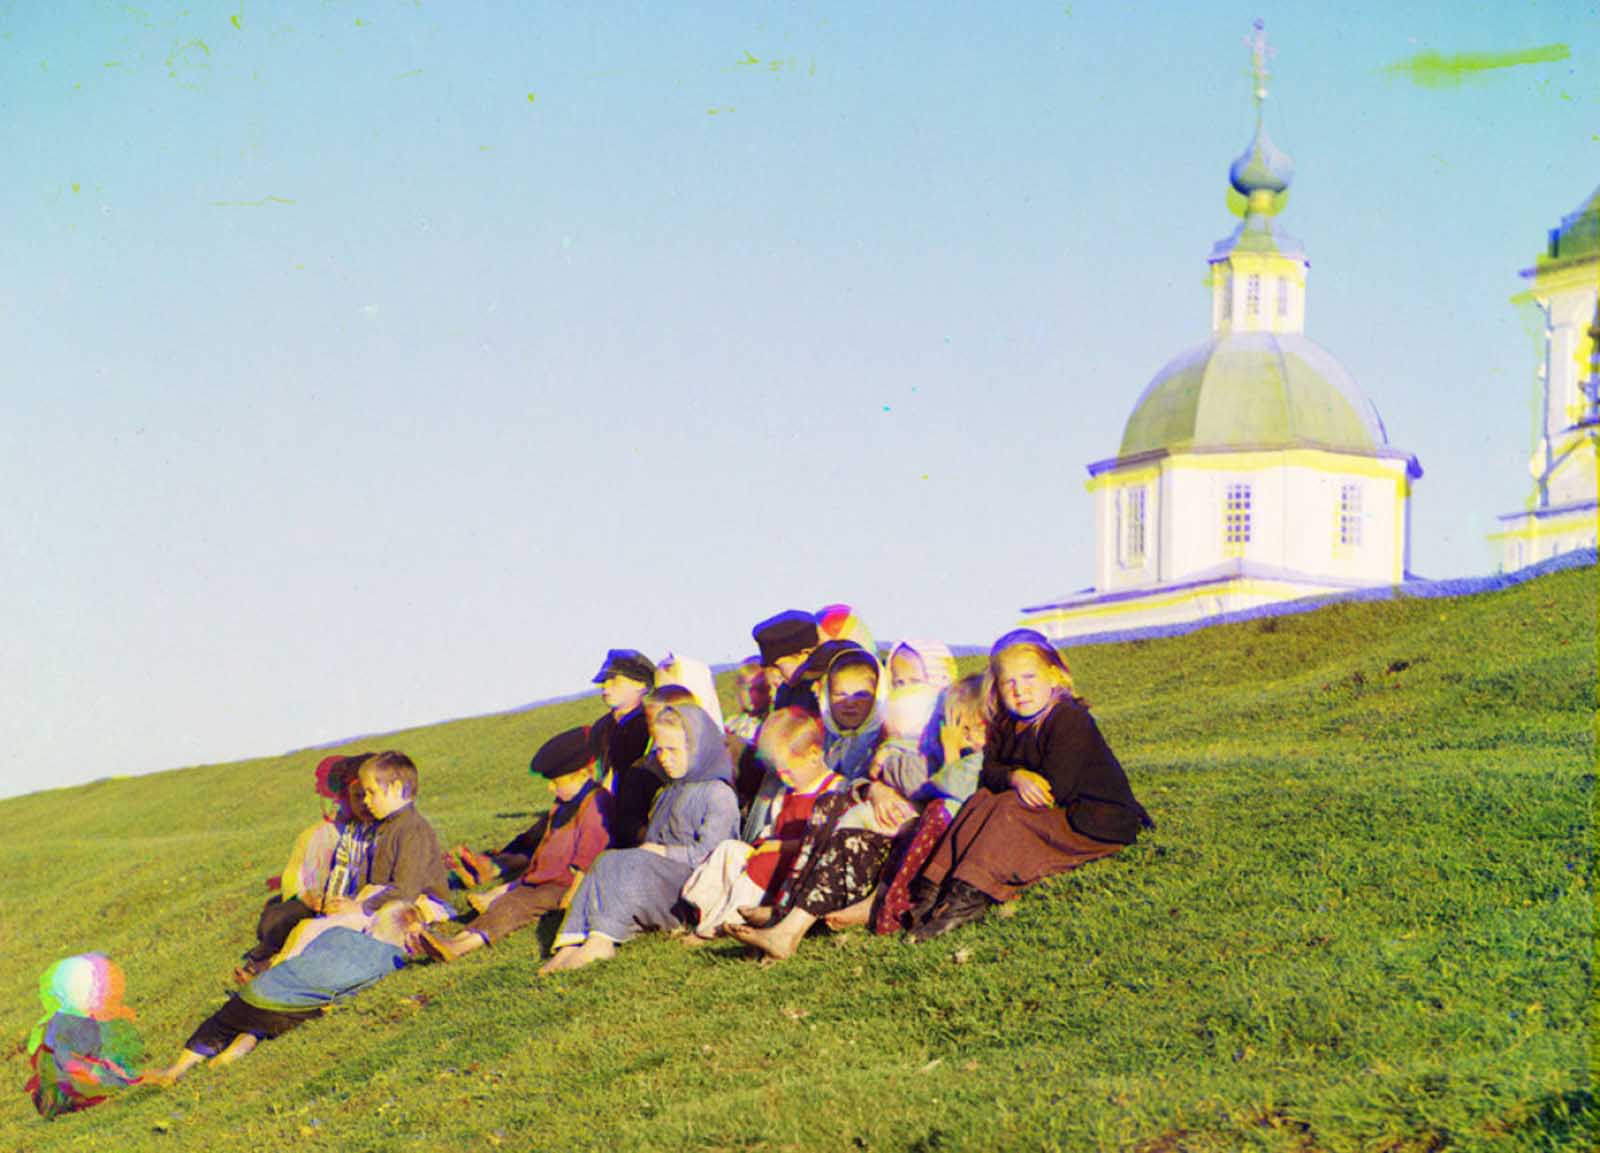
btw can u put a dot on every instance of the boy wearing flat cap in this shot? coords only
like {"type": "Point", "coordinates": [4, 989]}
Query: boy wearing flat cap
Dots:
{"type": "Point", "coordinates": [621, 738]}
{"type": "Point", "coordinates": [785, 641]}
{"type": "Point", "coordinates": [571, 835]}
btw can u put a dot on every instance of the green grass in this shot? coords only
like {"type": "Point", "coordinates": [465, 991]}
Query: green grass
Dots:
{"type": "Point", "coordinates": [1364, 922]}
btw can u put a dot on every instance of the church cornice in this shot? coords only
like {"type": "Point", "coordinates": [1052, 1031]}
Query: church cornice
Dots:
{"type": "Point", "coordinates": [1154, 456]}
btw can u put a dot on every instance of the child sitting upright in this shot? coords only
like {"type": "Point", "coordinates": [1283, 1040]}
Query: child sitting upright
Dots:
{"type": "Point", "coordinates": [962, 734]}
{"type": "Point", "coordinates": [571, 835]}
{"type": "Point", "coordinates": [327, 864]}
{"type": "Point", "coordinates": [621, 738]}
{"type": "Point", "coordinates": [1051, 797]}
{"type": "Point", "coordinates": [629, 890]}
{"type": "Point", "coordinates": [738, 875]}
{"type": "Point", "coordinates": [83, 1049]}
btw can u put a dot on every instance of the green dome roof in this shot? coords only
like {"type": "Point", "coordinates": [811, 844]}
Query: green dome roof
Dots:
{"type": "Point", "coordinates": [1579, 234]}
{"type": "Point", "coordinates": [1253, 390]}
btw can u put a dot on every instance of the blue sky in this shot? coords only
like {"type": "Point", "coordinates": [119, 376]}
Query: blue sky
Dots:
{"type": "Point", "coordinates": [371, 364]}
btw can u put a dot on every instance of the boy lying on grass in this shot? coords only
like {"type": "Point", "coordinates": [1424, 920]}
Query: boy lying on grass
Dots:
{"type": "Point", "coordinates": [333, 963]}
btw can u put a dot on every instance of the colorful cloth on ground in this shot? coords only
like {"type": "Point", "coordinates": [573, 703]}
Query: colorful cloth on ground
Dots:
{"type": "Point", "coordinates": [78, 1062]}
{"type": "Point", "coordinates": [629, 890]}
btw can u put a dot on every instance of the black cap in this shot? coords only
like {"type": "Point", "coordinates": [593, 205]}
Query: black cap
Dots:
{"type": "Point", "coordinates": [562, 754]}
{"type": "Point", "coordinates": [791, 631]}
{"type": "Point", "coordinates": [822, 658]}
{"type": "Point", "coordinates": [629, 663]}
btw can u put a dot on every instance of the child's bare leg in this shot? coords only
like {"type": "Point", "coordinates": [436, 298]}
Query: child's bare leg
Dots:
{"type": "Point", "coordinates": [239, 1047]}
{"type": "Point", "coordinates": [596, 947]}
{"type": "Point", "coordinates": [186, 1061]}
{"type": "Point", "coordinates": [851, 915]}
{"type": "Point", "coordinates": [780, 941]}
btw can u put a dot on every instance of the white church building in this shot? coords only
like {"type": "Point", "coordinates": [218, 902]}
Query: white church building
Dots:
{"type": "Point", "coordinates": [1252, 469]}
{"type": "Point", "coordinates": [1561, 512]}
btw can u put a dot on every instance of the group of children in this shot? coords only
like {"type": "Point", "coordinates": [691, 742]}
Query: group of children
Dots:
{"type": "Point", "coordinates": [845, 790]}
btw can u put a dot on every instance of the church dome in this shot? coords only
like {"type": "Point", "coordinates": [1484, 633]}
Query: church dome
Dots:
{"type": "Point", "coordinates": [1261, 167]}
{"type": "Point", "coordinates": [1579, 235]}
{"type": "Point", "coordinates": [1253, 390]}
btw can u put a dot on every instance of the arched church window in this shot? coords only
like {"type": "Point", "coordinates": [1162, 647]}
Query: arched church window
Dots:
{"type": "Point", "coordinates": [1350, 515]}
{"type": "Point", "coordinates": [1252, 295]}
{"type": "Point", "coordinates": [1236, 517]}
{"type": "Point", "coordinates": [1283, 296]}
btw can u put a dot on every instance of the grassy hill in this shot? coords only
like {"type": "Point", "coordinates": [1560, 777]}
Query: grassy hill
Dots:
{"type": "Point", "coordinates": [1365, 921]}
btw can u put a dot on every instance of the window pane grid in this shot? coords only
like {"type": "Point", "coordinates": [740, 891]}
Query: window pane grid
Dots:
{"type": "Point", "coordinates": [1236, 515]}
{"type": "Point", "coordinates": [1350, 516]}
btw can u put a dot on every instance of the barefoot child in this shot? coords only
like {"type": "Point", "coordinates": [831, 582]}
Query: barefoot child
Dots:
{"type": "Point", "coordinates": [839, 863]}
{"type": "Point", "coordinates": [572, 834]}
{"type": "Point", "coordinates": [738, 875]}
{"type": "Point", "coordinates": [629, 890]}
{"type": "Point", "coordinates": [335, 964]}
{"type": "Point", "coordinates": [83, 1049]}
{"type": "Point", "coordinates": [1051, 797]}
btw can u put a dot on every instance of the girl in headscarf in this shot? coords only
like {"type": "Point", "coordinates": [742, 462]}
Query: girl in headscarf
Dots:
{"type": "Point", "coordinates": [83, 1048]}
{"type": "Point", "coordinates": [632, 890]}
{"type": "Point", "coordinates": [1051, 795]}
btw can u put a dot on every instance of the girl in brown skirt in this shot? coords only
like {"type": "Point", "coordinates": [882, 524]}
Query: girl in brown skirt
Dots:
{"type": "Point", "coordinates": [1051, 796]}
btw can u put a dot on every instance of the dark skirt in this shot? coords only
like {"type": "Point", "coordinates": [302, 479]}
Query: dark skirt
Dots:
{"type": "Point", "coordinates": [835, 868]}
{"type": "Point", "coordinates": [237, 1017]}
{"type": "Point", "coordinates": [1000, 846]}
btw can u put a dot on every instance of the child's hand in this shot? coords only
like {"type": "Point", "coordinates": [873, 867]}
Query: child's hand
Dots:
{"type": "Point", "coordinates": [1032, 789]}
{"type": "Point", "coordinates": [889, 808]}
{"type": "Point", "coordinates": [658, 850]}
{"type": "Point", "coordinates": [950, 741]}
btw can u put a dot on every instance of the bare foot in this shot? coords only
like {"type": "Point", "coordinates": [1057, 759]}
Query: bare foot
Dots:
{"type": "Point", "coordinates": [778, 946]}
{"type": "Point", "coordinates": [594, 948]}
{"type": "Point", "coordinates": [851, 915]}
{"type": "Point", "coordinates": [560, 961]}
{"type": "Point", "coordinates": [693, 939]}
{"type": "Point", "coordinates": [758, 915]}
